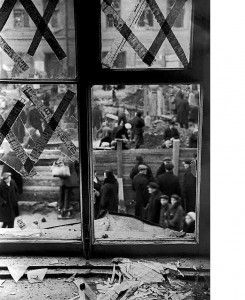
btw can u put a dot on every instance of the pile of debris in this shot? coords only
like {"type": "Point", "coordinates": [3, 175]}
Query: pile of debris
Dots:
{"type": "Point", "coordinates": [121, 279]}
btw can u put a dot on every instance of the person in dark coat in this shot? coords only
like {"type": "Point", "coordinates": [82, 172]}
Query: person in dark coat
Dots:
{"type": "Point", "coordinates": [190, 220]}
{"type": "Point", "coordinates": [139, 124]}
{"type": "Point", "coordinates": [122, 133]}
{"type": "Point", "coordinates": [164, 211]}
{"type": "Point", "coordinates": [34, 119]}
{"type": "Point", "coordinates": [154, 205]}
{"type": "Point", "coordinates": [140, 186]}
{"type": "Point", "coordinates": [162, 169]}
{"type": "Point", "coordinates": [9, 209]}
{"type": "Point", "coordinates": [169, 183]}
{"type": "Point", "coordinates": [171, 132]}
{"type": "Point", "coordinates": [97, 195]}
{"type": "Point", "coordinates": [189, 187]}
{"type": "Point", "coordinates": [183, 111]}
{"type": "Point", "coordinates": [109, 192]}
{"type": "Point", "coordinates": [135, 170]}
{"type": "Point", "coordinates": [67, 187]}
{"type": "Point", "coordinates": [12, 164]}
{"type": "Point", "coordinates": [176, 214]}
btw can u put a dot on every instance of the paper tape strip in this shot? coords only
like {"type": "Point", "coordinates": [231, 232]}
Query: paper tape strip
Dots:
{"type": "Point", "coordinates": [124, 30]}
{"type": "Point", "coordinates": [72, 149]}
{"type": "Point", "coordinates": [15, 57]}
{"type": "Point", "coordinates": [43, 28]}
{"type": "Point", "coordinates": [19, 151]}
{"type": "Point", "coordinates": [8, 123]}
{"type": "Point", "coordinates": [38, 35]}
{"type": "Point", "coordinates": [48, 131]}
{"type": "Point", "coordinates": [5, 11]}
{"type": "Point", "coordinates": [119, 40]}
{"type": "Point", "coordinates": [166, 31]}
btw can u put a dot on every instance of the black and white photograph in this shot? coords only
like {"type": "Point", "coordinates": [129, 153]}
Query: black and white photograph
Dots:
{"type": "Point", "coordinates": [105, 150]}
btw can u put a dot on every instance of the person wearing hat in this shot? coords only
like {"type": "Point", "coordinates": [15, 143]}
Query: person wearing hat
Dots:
{"type": "Point", "coordinates": [176, 214]}
{"type": "Point", "coordinates": [135, 170]}
{"type": "Point", "coordinates": [154, 205]}
{"type": "Point", "coordinates": [162, 169]}
{"type": "Point", "coordinates": [164, 211]}
{"type": "Point", "coordinates": [189, 187]}
{"type": "Point", "coordinates": [140, 186]}
{"type": "Point", "coordinates": [9, 209]}
{"type": "Point", "coordinates": [109, 192]}
{"type": "Point", "coordinates": [11, 163]}
{"type": "Point", "coordinates": [139, 124]}
{"type": "Point", "coordinates": [169, 183]}
{"type": "Point", "coordinates": [171, 132]}
{"type": "Point", "coordinates": [190, 220]}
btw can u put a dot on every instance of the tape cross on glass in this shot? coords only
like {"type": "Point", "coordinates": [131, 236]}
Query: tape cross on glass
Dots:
{"type": "Point", "coordinates": [52, 124]}
{"type": "Point", "coordinates": [5, 132]}
{"type": "Point", "coordinates": [124, 28]}
{"type": "Point", "coordinates": [42, 142]}
{"type": "Point", "coordinates": [42, 29]}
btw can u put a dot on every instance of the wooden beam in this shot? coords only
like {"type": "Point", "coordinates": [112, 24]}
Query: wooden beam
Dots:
{"type": "Point", "coordinates": [176, 149]}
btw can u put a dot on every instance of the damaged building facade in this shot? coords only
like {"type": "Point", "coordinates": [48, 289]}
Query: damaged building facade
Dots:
{"type": "Point", "coordinates": [19, 31]}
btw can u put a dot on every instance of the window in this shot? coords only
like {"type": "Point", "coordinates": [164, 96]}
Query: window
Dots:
{"type": "Point", "coordinates": [116, 4]}
{"type": "Point", "coordinates": [35, 78]}
{"type": "Point", "coordinates": [21, 18]}
{"type": "Point", "coordinates": [146, 19]}
{"type": "Point", "coordinates": [138, 33]}
{"type": "Point", "coordinates": [55, 19]}
{"type": "Point", "coordinates": [157, 94]}
{"type": "Point", "coordinates": [104, 95]}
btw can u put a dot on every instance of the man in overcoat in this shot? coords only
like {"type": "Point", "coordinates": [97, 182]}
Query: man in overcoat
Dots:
{"type": "Point", "coordinates": [189, 188]}
{"type": "Point", "coordinates": [8, 201]}
{"type": "Point", "coordinates": [140, 186]}
{"type": "Point", "coordinates": [154, 205]}
{"type": "Point", "coordinates": [168, 182]}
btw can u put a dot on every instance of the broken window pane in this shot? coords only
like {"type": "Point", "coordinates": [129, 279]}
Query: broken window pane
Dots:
{"type": "Point", "coordinates": [146, 148]}
{"type": "Point", "coordinates": [133, 28]}
{"type": "Point", "coordinates": [45, 199]}
{"type": "Point", "coordinates": [51, 56]}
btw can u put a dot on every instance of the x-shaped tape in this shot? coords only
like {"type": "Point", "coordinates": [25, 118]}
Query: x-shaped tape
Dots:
{"type": "Point", "coordinates": [31, 95]}
{"type": "Point", "coordinates": [52, 124]}
{"type": "Point", "coordinates": [42, 30]}
{"type": "Point", "coordinates": [126, 35]}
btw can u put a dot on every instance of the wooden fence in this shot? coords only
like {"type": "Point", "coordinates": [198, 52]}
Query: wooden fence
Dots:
{"type": "Point", "coordinates": [44, 187]}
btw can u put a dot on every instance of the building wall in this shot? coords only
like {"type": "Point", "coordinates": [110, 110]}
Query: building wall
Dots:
{"type": "Point", "coordinates": [146, 35]}
{"type": "Point", "coordinates": [20, 38]}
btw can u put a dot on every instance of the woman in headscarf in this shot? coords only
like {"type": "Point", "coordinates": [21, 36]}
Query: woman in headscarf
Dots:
{"type": "Point", "coordinates": [109, 192]}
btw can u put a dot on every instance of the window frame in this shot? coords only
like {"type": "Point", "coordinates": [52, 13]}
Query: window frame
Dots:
{"type": "Point", "coordinates": [197, 73]}
{"type": "Point", "coordinates": [89, 62]}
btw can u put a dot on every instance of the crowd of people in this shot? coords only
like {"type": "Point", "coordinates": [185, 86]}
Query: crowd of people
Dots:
{"type": "Point", "coordinates": [161, 199]}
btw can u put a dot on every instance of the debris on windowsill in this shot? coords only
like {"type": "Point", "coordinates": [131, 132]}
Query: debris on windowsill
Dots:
{"type": "Point", "coordinates": [17, 271]}
{"type": "Point", "coordinates": [84, 289]}
{"type": "Point", "coordinates": [54, 262]}
{"type": "Point", "coordinates": [37, 275]}
{"type": "Point", "coordinates": [1, 283]}
{"type": "Point", "coordinates": [72, 278]}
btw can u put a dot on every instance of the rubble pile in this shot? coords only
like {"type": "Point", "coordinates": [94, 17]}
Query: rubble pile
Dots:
{"type": "Point", "coordinates": [121, 279]}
